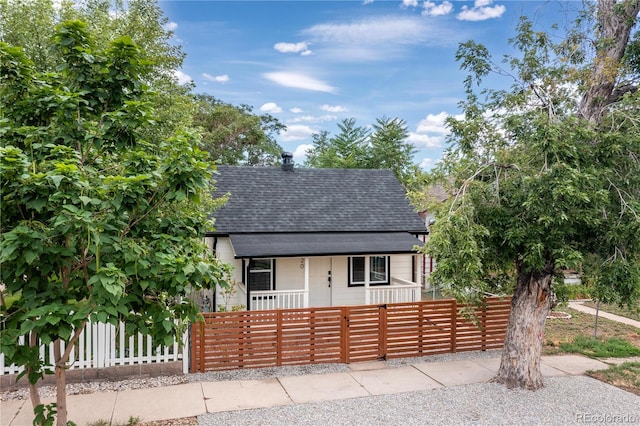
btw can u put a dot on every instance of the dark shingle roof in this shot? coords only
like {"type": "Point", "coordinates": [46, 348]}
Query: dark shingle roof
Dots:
{"type": "Point", "coordinates": [269, 199]}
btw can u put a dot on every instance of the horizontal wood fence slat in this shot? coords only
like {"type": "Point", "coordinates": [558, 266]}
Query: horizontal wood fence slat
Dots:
{"type": "Point", "coordinates": [251, 339]}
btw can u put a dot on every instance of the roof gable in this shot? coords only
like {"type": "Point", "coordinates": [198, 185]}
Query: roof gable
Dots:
{"type": "Point", "coordinates": [269, 199]}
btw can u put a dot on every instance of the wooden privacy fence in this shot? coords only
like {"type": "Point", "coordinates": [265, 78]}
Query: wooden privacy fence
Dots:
{"type": "Point", "coordinates": [251, 339]}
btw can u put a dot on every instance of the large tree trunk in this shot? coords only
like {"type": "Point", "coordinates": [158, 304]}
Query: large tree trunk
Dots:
{"type": "Point", "coordinates": [615, 18]}
{"type": "Point", "coordinates": [532, 301]}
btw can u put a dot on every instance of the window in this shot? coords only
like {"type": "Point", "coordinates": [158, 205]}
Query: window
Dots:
{"type": "Point", "coordinates": [261, 274]}
{"type": "Point", "coordinates": [378, 270]}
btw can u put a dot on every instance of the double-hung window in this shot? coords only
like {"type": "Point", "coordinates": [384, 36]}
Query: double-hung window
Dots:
{"type": "Point", "coordinates": [378, 270]}
{"type": "Point", "coordinates": [261, 274]}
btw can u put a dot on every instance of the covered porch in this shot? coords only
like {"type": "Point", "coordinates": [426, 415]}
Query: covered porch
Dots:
{"type": "Point", "coordinates": [302, 270]}
{"type": "Point", "coordinates": [398, 290]}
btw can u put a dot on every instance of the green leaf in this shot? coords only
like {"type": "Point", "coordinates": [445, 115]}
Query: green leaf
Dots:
{"type": "Point", "coordinates": [30, 256]}
{"type": "Point", "coordinates": [56, 180]}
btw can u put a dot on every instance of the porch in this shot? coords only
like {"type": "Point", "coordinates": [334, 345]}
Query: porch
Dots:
{"type": "Point", "coordinates": [398, 291]}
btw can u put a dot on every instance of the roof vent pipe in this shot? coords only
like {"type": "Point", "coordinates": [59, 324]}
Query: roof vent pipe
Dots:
{"type": "Point", "coordinates": [287, 161]}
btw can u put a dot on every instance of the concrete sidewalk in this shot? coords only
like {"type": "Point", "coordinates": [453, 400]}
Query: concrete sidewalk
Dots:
{"type": "Point", "coordinates": [578, 306]}
{"type": "Point", "coordinates": [364, 379]}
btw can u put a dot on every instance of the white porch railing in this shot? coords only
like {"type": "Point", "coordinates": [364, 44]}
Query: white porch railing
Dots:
{"type": "Point", "coordinates": [277, 299]}
{"type": "Point", "coordinates": [104, 345]}
{"type": "Point", "coordinates": [400, 291]}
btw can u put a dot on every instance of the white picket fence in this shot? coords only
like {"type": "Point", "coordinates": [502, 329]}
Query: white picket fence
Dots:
{"type": "Point", "coordinates": [105, 345]}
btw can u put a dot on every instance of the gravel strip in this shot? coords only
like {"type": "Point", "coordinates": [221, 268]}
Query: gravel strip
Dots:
{"type": "Point", "coordinates": [564, 400]}
{"type": "Point", "coordinates": [21, 392]}
{"type": "Point", "coordinates": [47, 391]}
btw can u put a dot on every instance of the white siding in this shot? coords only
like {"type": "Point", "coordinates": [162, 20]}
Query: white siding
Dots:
{"type": "Point", "coordinates": [341, 292]}
{"type": "Point", "coordinates": [401, 266]}
{"type": "Point", "coordinates": [224, 252]}
{"type": "Point", "coordinates": [289, 274]}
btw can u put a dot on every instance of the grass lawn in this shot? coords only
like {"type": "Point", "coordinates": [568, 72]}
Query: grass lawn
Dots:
{"type": "Point", "coordinates": [560, 330]}
{"type": "Point", "coordinates": [576, 335]}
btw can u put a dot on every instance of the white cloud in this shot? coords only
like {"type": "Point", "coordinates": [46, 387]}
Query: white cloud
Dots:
{"type": "Point", "coordinates": [333, 108]}
{"type": "Point", "coordinates": [299, 81]}
{"type": "Point", "coordinates": [426, 163]}
{"type": "Point", "coordinates": [434, 123]}
{"type": "Point", "coordinates": [296, 110]}
{"type": "Point", "coordinates": [312, 119]}
{"type": "Point", "coordinates": [370, 31]}
{"type": "Point", "coordinates": [182, 77]}
{"type": "Point", "coordinates": [217, 78]}
{"type": "Point", "coordinates": [425, 141]}
{"type": "Point", "coordinates": [171, 26]}
{"type": "Point", "coordinates": [432, 9]}
{"type": "Point", "coordinates": [306, 53]}
{"type": "Point", "coordinates": [300, 154]}
{"type": "Point", "coordinates": [297, 133]}
{"type": "Point", "coordinates": [302, 48]}
{"type": "Point", "coordinates": [431, 131]}
{"type": "Point", "coordinates": [375, 39]}
{"type": "Point", "coordinates": [270, 108]}
{"type": "Point", "coordinates": [410, 3]}
{"type": "Point", "coordinates": [481, 11]}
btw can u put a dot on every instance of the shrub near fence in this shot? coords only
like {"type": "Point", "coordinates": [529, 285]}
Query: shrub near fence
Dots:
{"type": "Point", "coordinates": [250, 339]}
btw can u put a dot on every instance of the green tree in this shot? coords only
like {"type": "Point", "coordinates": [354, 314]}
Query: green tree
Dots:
{"type": "Point", "coordinates": [235, 135]}
{"type": "Point", "coordinates": [538, 182]}
{"type": "Point", "coordinates": [355, 147]}
{"type": "Point", "coordinates": [31, 25]}
{"type": "Point", "coordinates": [389, 149]}
{"type": "Point", "coordinates": [100, 219]}
{"type": "Point", "coordinates": [345, 150]}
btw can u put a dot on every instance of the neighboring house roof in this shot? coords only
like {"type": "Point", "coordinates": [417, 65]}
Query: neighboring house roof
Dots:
{"type": "Point", "coordinates": [287, 208]}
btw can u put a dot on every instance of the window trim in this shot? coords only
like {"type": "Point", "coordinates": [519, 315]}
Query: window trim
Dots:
{"type": "Point", "coordinates": [351, 283]}
{"type": "Point", "coordinates": [272, 275]}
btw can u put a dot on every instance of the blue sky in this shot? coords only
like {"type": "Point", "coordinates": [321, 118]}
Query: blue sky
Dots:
{"type": "Point", "coordinates": [312, 64]}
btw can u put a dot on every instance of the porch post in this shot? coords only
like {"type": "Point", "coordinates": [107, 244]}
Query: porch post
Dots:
{"type": "Point", "coordinates": [306, 283]}
{"type": "Point", "coordinates": [367, 273]}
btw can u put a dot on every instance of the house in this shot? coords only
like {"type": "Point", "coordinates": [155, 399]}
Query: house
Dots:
{"type": "Point", "coordinates": [301, 237]}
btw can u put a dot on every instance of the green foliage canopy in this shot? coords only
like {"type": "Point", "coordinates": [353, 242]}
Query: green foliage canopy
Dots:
{"type": "Point", "coordinates": [533, 185]}
{"type": "Point", "coordinates": [355, 147]}
{"type": "Point", "coordinates": [100, 219]}
{"type": "Point", "coordinates": [235, 135]}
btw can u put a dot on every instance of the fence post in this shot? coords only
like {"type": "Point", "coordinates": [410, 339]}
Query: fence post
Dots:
{"type": "Point", "coordinates": [344, 335]}
{"type": "Point", "coordinates": [202, 343]}
{"type": "Point", "coordinates": [483, 325]}
{"type": "Point", "coordinates": [382, 333]}
{"type": "Point", "coordinates": [421, 306]}
{"type": "Point", "coordinates": [279, 338]}
{"type": "Point", "coordinates": [454, 322]}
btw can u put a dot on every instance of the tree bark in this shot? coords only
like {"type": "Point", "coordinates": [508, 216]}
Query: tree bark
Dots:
{"type": "Point", "coordinates": [61, 384]}
{"type": "Point", "coordinates": [615, 18]}
{"type": "Point", "coordinates": [34, 392]}
{"type": "Point", "coordinates": [532, 301]}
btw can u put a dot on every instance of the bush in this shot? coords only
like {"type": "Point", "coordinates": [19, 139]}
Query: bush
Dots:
{"type": "Point", "coordinates": [566, 292]}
